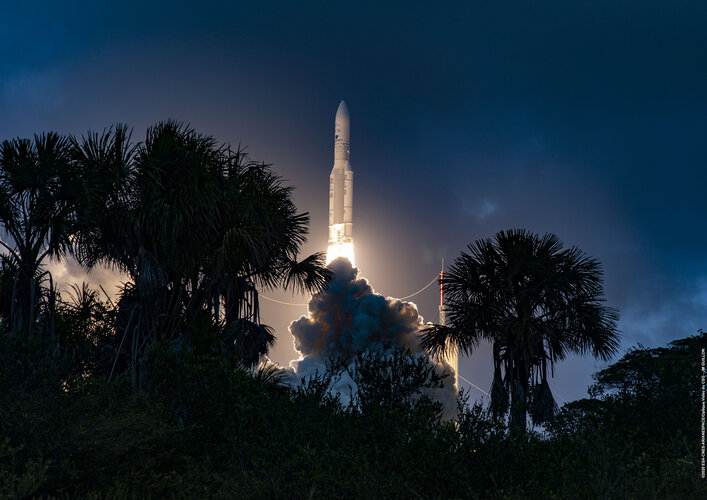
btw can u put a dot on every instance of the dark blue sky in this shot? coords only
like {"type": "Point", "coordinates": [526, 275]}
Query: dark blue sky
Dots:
{"type": "Point", "coordinates": [585, 118]}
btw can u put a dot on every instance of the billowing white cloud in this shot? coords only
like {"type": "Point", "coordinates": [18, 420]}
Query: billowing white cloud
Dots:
{"type": "Point", "coordinates": [350, 317]}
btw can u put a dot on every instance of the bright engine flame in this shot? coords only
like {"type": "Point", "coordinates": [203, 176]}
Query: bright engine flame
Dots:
{"type": "Point", "coordinates": [336, 250]}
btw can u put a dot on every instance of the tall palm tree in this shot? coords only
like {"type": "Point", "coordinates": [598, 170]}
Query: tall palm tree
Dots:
{"type": "Point", "coordinates": [198, 227]}
{"type": "Point", "coordinates": [536, 303]}
{"type": "Point", "coordinates": [40, 189]}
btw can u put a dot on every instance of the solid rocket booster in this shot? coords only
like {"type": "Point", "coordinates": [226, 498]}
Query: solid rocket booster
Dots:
{"type": "Point", "coordinates": [341, 190]}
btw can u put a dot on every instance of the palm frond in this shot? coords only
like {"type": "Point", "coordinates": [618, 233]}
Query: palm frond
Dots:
{"type": "Point", "coordinates": [536, 302]}
{"type": "Point", "coordinates": [269, 374]}
{"type": "Point", "coordinates": [309, 275]}
{"type": "Point", "coordinates": [544, 408]}
{"type": "Point", "coordinates": [440, 340]}
{"type": "Point", "coordinates": [249, 340]}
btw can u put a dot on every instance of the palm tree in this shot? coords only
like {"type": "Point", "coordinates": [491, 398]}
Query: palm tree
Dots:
{"type": "Point", "coordinates": [198, 227]}
{"type": "Point", "coordinates": [40, 188]}
{"type": "Point", "coordinates": [536, 303]}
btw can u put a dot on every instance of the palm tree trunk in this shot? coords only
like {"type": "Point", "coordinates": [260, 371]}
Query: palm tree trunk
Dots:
{"type": "Point", "coordinates": [519, 394]}
{"type": "Point", "coordinates": [13, 301]}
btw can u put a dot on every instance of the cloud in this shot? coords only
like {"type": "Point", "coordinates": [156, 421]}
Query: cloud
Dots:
{"type": "Point", "coordinates": [655, 317]}
{"type": "Point", "coordinates": [39, 91]}
{"type": "Point", "coordinates": [350, 317]}
{"type": "Point", "coordinates": [68, 272]}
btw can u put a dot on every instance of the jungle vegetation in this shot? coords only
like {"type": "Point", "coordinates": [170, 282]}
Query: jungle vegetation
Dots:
{"type": "Point", "coordinates": [160, 394]}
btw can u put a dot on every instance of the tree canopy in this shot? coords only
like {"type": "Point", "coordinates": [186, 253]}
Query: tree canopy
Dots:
{"type": "Point", "coordinates": [157, 396]}
{"type": "Point", "coordinates": [198, 227]}
{"type": "Point", "coordinates": [536, 303]}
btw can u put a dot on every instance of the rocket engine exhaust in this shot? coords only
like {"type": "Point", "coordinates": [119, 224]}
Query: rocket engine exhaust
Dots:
{"type": "Point", "coordinates": [350, 317]}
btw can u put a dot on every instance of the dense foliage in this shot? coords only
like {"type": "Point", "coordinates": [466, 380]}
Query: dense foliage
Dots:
{"type": "Point", "coordinates": [159, 394]}
{"type": "Point", "coordinates": [536, 303]}
{"type": "Point", "coordinates": [198, 228]}
{"type": "Point", "coordinates": [205, 429]}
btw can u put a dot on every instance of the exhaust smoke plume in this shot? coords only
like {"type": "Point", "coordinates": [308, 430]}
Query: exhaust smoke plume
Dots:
{"type": "Point", "coordinates": [350, 317]}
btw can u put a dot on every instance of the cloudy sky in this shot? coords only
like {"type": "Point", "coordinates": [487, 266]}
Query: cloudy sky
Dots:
{"type": "Point", "coordinates": [585, 118]}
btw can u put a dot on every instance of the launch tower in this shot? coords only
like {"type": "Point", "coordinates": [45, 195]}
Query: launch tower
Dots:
{"type": "Point", "coordinates": [453, 353]}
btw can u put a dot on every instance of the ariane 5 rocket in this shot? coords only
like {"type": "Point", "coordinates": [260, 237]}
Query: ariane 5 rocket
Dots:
{"type": "Point", "coordinates": [341, 191]}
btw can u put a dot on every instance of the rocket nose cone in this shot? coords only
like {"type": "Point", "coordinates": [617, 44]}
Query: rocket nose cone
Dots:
{"type": "Point", "coordinates": [343, 112]}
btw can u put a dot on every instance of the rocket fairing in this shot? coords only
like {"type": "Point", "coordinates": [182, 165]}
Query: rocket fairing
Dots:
{"type": "Point", "coordinates": [341, 191]}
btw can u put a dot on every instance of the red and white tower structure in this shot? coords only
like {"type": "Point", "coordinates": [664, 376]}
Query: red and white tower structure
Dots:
{"type": "Point", "coordinates": [452, 353]}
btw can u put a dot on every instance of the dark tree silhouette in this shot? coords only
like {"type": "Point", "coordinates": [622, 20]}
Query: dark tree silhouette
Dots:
{"type": "Point", "coordinates": [40, 189]}
{"type": "Point", "coordinates": [536, 303]}
{"type": "Point", "coordinates": [199, 228]}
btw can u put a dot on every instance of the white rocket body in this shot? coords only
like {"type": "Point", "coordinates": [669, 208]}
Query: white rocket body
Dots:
{"type": "Point", "coordinates": [341, 191]}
